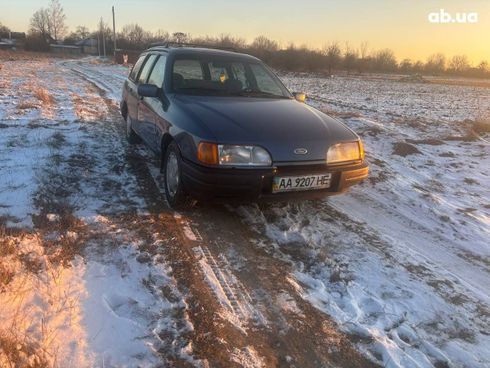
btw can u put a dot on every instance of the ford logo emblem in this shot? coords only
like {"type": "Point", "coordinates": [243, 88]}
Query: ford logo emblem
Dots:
{"type": "Point", "coordinates": [300, 151]}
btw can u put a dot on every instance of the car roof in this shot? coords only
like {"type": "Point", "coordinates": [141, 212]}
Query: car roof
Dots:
{"type": "Point", "coordinates": [177, 51]}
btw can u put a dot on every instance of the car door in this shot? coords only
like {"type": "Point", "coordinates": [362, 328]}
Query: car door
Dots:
{"type": "Point", "coordinates": [143, 126]}
{"type": "Point", "coordinates": [151, 109]}
{"type": "Point", "coordinates": [130, 90]}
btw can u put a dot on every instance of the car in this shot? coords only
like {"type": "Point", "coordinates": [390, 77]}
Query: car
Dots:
{"type": "Point", "coordinates": [226, 128]}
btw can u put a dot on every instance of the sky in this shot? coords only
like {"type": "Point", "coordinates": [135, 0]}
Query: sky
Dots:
{"type": "Point", "coordinates": [401, 25]}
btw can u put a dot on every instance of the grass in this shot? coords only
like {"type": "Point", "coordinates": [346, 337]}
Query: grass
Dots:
{"type": "Point", "coordinates": [26, 105]}
{"type": "Point", "coordinates": [43, 95]}
{"type": "Point", "coordinates": [17, 352]}
{"type": "Point", "coordinates": [481, 127]}
{"type": "Point", "coordinates": [9, 55]}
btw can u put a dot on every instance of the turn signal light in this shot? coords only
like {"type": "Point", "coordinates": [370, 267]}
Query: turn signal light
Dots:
{"type": "Point", "coordinates": [207, 153]}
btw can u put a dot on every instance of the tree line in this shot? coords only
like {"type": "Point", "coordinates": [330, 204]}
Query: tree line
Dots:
{"type": "Point", "coordinates": [48, 25]}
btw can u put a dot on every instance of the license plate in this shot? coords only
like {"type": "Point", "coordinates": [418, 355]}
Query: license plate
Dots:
{"type": "Point", "coordinates": [304, 182]}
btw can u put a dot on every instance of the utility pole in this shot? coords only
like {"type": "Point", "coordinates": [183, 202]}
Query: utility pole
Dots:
{"type": "Point", "coordinates": [114, 30]}
{"type": "Point", "coordinates": [102, 36]}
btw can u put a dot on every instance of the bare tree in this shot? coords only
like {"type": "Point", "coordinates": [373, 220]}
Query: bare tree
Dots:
{"type": "Point", "coordinates": [436, 63]}
{"type": "Point", "coordinates": [56, 20]}
{"type": "Point", "coordinates": [226, 40]}
{"type": "Point", "coordinates": [484, 67]}
{"type": "Point", "coordinates": [40, 23]}
{"type": "Point", "coordinates": [262, 43]}
{"type": "Point", "coordinates": [333, 55]}
{"type": "Point", "coordinates": [4, 30]}
{"type": "Point", "coordinates": [364, 50]}
{"type": "Point", "coordinates": [385, 60]}
{"type": "Point", "coordinates": [459, 63]}
{"type": "Point", "coordinates": [418, 67]}
{"type": "Point", "coordinates": [160, 36]}
{"type": "Point", "coordinates": [180, 37]}
{"type": "Point", "coordinates": [350, 58]}
{"type": "Point", "coordinates": [82, 32]}
{"type": "Point", "coordinates": [406, 66]}
{"type": "Point", "coordinates": [135, 34]}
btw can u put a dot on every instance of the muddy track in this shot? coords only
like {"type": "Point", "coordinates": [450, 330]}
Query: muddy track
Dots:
{"type": "Point", "coordinates": [240, 300]}
{"type": "Point", "coordinates": [259, 308]}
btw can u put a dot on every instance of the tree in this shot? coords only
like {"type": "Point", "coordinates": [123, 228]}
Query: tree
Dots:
{"type": "Point", "coordinates": [160, 36]}
{"type": "Point", "coordinates": [82, 32]}
{"type": "Point", "coordinates": [262, 43]}
{"type": "Point", "coordinates": [406, 66]}
{"type": "Point", "coordinates": [418, 67]}
{"type": "Point", "coordinates": [180, 37]}
{"type": "Point", "coordinates": [385, 61]}
{"type": "Point", "coordinates": [4, 30]}
{"type": "Point", "coordinates": [484, 67]}
{"type": "Point", "coordinates": [459, 64]}
{"type": "Point", "coordinates": [350, 58]}
{"type": "Point", "coordinates": [40, 23]}
{"type": "Point", "coordinates": [226, 40]}
{"type": "Point", "coordinates": [135, 35]}
{"type": "Point", "coordinates": [364, 50]}
{"type": "Point", "coordinates": [436, 64]}
{"type": "Point", "coordinates": [333, 55]}
{"type": "Point", "coordinates": [56, 20]}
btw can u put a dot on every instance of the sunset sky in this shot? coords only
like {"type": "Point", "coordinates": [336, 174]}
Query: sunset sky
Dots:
{"type": "Point", "coordinates": [401, 25]}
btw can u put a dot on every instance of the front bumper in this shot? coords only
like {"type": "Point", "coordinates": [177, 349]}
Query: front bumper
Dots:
{"type": "Point", "coordinates": [244, 184]}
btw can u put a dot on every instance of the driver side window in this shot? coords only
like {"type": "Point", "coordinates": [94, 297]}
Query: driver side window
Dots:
{"type": "Point", "coordinates": [158, 73]}
{"type": "Point", "coordinates": [146, 69]}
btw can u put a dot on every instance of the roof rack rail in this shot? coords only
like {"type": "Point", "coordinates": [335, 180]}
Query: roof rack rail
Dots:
{"type": "Point", "coordinates": [185, 44]}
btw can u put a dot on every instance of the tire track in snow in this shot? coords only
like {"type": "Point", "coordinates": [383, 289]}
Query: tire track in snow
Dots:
{"type": "Point", "coordinates": [229, 291]}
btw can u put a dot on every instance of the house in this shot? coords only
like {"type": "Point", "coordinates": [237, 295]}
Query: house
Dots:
{"type": "Point", "coordinates": [12, 40]}
{"type": "Point", "coordinates": [65, 49]}
{"type": "Point", "coordinates": [89, 46]}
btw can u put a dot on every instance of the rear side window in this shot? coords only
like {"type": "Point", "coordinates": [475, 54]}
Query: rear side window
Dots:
{"type": "Point", "coordinates": [158, 72]}
{"type": "Point", "coordinates": [189, 69]}
{"type": "Point", "coordinates": [147, 69]}
{"type": "Point", "coordinates": [136, 68]}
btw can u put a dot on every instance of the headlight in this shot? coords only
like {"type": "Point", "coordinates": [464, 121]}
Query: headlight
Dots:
{"type": "Point", "coordinates": [345, 152]}
{"type": "Point", "coordinates": [243, 155]}
{"type": "Point", "coordinates": [233, 155]}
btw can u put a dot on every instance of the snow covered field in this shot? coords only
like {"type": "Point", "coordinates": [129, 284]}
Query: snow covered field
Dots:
{"type": "Point", "coordinates": [95, 270]}
{"type": "Point", "coordinates": [403, 261]}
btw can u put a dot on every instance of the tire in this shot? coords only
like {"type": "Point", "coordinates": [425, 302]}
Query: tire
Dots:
{"type": "Point", "coordinates": [172, 171]}
{"type": "Point", "coordinates": [131, 135]}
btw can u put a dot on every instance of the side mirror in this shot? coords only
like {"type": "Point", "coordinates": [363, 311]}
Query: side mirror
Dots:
{"type": "Point", "coordinates": [300, 96]}
{"type": "Point", "coordinates": [147, 90]}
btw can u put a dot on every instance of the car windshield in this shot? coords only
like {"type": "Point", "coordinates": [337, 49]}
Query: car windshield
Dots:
{"type": "Point", "coordinates": [221, 76]}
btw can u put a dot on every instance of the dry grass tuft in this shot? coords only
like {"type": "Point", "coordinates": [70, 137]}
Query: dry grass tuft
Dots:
{"type": "Point", "coordinates": [481, 127]}
{"type": "Point", "coordinates": [26, 105]}
{"type": "Point", "coordinates": [43, 95]}
{"type": "Point", "coordinates": [18, 352]}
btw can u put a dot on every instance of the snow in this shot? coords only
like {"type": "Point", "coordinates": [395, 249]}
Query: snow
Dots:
{"type": "Point", "coordinates": [401, 261]}
{"type": "Point", "coordinates": [63, 189]}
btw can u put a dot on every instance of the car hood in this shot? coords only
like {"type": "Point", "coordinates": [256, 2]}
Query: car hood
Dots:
{"type": "Point", "coordinates": [278, 125]}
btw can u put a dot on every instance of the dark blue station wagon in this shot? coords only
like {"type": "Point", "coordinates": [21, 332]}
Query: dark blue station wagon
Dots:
{"type": "Point", "coordinates": [226, 128]}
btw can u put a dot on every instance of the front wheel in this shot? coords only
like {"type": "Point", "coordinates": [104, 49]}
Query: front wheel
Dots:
{"type": "Point", "coordinates": [131, 135]}
{"type": "Point", "coordinates": [172, 169]}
